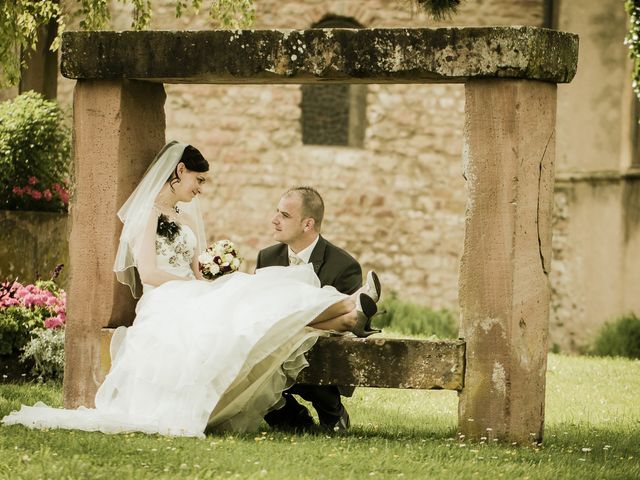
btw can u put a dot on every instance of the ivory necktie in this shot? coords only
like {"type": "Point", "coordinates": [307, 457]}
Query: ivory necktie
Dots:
{"type": "Point", "coordinates": [295, 260]}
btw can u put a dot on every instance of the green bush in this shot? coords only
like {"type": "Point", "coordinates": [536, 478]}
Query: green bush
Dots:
{"type": "Point", "coordinates": [621, 338]}
{"type": "Point", "coordinates": [16, 324]}
{"type": "Point", "coordinates": [35, 145]}
{"type": "Point", "coordinates": [45, 351]}
{"type": "Point", "coordinates": [410, 318]}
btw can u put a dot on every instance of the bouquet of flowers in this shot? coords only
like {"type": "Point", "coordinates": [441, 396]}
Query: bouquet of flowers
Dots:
{"type": "Point", "coordinates": [218, 259]}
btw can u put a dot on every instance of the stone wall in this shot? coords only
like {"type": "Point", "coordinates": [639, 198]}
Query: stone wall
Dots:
{"type": "Point", "coordinates": [594, 273]}
{"type": "Point", "coordinates": [33, 243]}
{"type": "Point", "coordinates": [398, 203]}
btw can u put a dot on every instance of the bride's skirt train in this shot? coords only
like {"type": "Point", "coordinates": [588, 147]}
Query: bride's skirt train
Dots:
{"type": "Point", "coordinates": [202, 356]}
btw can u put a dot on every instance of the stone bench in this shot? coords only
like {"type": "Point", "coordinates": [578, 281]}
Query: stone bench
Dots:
{"type": "Point", "coordinates": [370, 362]}
{"type": "Point", "coordinates": [509, 75]}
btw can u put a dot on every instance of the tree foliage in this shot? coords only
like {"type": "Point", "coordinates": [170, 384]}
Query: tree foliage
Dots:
{"type": "Point", "coordinates": [633, 40]}
{"type": "Point", "coordinates": [439, 9]}
{"type": "Point", "coordinates": [20, 20]}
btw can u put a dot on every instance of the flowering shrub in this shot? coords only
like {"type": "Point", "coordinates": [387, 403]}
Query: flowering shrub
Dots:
{"type": "Point", "coordinates": [41, 197]}
{"type": "Point", "coordinates": [25, 309]}
{"type": "Point", "coordinates": [35, 146]}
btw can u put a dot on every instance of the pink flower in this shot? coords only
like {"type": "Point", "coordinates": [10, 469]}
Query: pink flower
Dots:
{"type": "Point", "coordinates": [18, 191]}
{"type": "Point", "coordinates": [9, 302]}
{"type": "Point", "coordinates": [51, 301]}
{"type": "Point", "coordinates": [64, 196]}
{"type": "Point", "coordinates": [36, 195]}
{"type": "Point", "coordinates": [29, 300]}
{"type": "Point", "coordinates": [56, 187]}
{"type": "Point", "coordinates": [47, 195]}
{"type": "Point", "coordinates": [22, 292]}
{"type": "Point", "coordinates": [33, 180]}
{"type": "Point", "coordinates": [53, 322]}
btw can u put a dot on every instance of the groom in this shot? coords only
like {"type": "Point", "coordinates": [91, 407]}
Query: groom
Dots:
{"type": "Point", "coordinates": [297, 225]}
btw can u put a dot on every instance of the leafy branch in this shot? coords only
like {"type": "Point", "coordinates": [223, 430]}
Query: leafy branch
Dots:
{"type": "Point", "coordinates": [632, 40]}
{"type": "Point", "coordinates": [21, 19]}
{"type": "Point", "coordinates": [439, 9]}
{"type": "Point", "coordinates": [19, 22]}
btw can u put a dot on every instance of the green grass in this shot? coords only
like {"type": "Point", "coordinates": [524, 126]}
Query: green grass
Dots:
{"type": "Point", "coordinates": [408, 318]}
{"type": "Point", "coordinates": [592, 431]}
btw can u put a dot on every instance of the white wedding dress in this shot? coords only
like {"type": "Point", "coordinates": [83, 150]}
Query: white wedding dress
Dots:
{"type": "Point", "coordinates": [201, 355]}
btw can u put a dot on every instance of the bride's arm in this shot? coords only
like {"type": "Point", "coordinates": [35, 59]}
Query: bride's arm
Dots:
{"type": "Point", "coordinates": [150, 274]}
{"type": "Point", "coordinates": [195, 266]}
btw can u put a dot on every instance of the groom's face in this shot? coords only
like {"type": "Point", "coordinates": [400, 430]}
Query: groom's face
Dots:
{"type": "Point", "coordinates": [288, 222]}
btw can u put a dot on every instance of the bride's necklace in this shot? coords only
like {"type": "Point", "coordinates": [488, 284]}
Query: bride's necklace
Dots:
{"type": "Point", "coordinates": [167, 208]}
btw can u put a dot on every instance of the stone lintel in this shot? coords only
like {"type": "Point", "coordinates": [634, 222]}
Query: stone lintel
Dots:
{"type": "Point", "coordinates": [380, 55]}
{"type": "Point", "coordinates": [381, 362]}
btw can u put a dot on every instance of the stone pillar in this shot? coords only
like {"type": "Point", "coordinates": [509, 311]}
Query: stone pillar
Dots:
{"type": "Point", "coordinates": [504, 288]}
{"type": "Point", "coordinates": [118, 129]}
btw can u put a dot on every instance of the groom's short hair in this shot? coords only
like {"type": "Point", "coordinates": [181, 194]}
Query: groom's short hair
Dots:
{"type": "Point", "coordinates": [312, 204]}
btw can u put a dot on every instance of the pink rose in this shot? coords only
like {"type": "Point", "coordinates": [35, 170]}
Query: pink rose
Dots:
{"type": "Point", "coordinates": [33, 180]}
{"type": "Point", "coordinates": [36, 195]}
{"type": "Point", "coordinates": [18, 191]}
{"type": "Point", "coordinates": [47, 195]}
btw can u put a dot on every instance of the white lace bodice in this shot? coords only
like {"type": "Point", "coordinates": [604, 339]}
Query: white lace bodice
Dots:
{"type": "Point", "coordinates": [175, 256]}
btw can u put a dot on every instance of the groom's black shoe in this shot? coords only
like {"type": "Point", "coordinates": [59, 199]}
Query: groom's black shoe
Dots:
{"type": "Point", "coordinates": [341, 425]}
{"type": "Point", "coordinates": [291, 417]}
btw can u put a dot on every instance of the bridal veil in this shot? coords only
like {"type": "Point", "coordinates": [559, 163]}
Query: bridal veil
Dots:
{"type": "Point", "coordinates": [136, 211]}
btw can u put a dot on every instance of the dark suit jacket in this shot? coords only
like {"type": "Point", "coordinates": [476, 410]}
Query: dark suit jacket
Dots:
{"type": "Point", "coordinates": [333, 266]}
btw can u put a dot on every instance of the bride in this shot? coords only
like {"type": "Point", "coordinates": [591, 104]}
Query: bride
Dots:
{"type": "Point", "coordinates": [200, 355]}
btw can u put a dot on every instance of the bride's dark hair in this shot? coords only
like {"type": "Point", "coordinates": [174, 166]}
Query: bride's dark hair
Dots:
{"type": "Point", "coordinates": [193, 160]}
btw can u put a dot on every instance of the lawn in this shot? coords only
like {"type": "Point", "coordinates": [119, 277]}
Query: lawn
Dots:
{"type": "Point", "coordinates": [592, 431]}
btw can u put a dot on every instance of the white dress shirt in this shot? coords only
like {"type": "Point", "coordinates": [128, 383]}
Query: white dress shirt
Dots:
{"type": "Point", "coordinates": [304, 254]}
